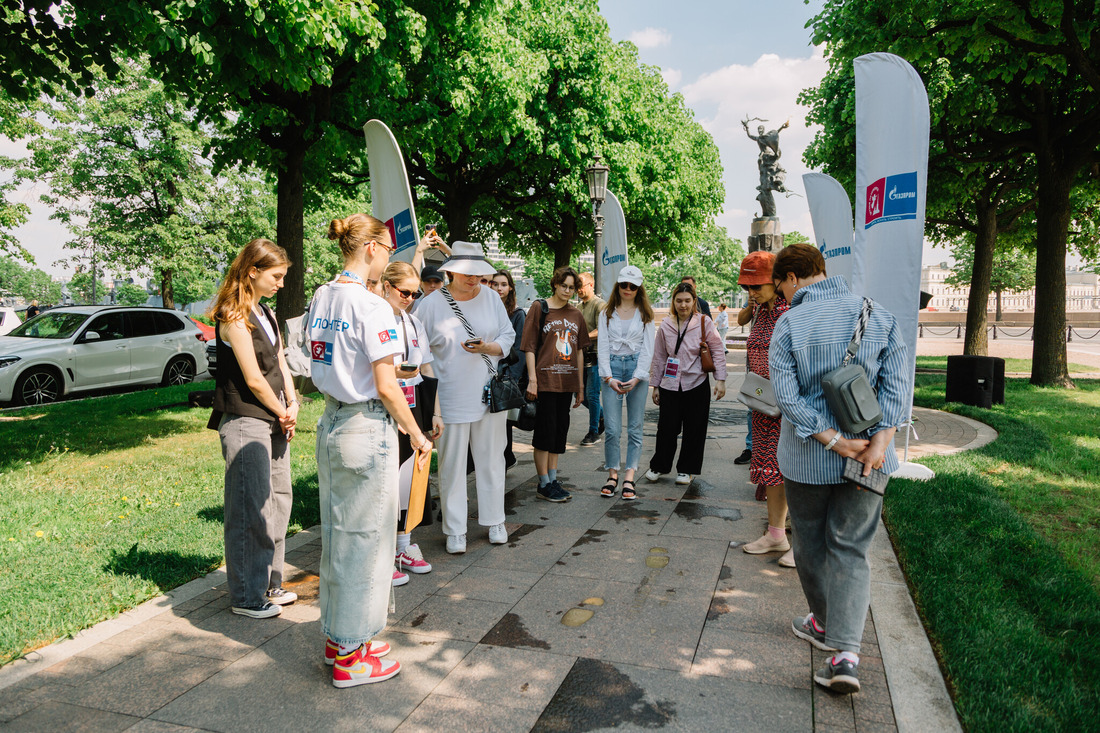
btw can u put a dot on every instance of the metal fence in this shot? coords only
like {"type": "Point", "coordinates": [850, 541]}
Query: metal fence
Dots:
{"type": "Point", "coordinates": [994, 330]}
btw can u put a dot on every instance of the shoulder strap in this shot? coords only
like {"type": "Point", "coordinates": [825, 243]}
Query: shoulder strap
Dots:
{"type": "Point", "coordinates": [465, 324]}
{"type": "Point", "coordinates": [544, 310]}
{"type": "Point", "coordinates": [861, 325]}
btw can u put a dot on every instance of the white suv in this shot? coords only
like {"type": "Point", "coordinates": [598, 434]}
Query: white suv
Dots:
{"type": "Point", "coordinates": [80, 348]}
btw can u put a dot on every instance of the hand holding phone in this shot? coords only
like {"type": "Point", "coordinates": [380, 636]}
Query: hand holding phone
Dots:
{"type": "Point", "coordinates": [875, 481]}
{"type": "Point", "coordinates": [408, 366]}
{"type": "Point", "coordinates": [471, 343]}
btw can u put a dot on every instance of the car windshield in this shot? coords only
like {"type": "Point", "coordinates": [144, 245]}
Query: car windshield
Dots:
{"type": "Point", "coordinates": [51, 326]}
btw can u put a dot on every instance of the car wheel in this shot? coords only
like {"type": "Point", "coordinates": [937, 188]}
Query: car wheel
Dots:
{"type": "Point", "coordinates": [181, 370]}
{"type": "Point", "coordinates": [38, 387]}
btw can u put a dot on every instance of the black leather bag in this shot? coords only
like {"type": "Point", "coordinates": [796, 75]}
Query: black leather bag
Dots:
{"type": "Point", "coordinates": [502, 393]}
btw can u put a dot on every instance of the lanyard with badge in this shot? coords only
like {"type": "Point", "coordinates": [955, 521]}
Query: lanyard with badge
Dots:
{"type": "Point", "coordinates": [408, 389]}
{"type": "Point", "coordinates": [672, 365]}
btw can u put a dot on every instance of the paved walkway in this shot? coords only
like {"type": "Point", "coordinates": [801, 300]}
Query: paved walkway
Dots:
{"type": "Point", "coordinates": [598, 614]}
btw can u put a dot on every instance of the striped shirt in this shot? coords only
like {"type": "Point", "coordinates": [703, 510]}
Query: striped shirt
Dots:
{"type": "Point", "coordinates": [810, 340]}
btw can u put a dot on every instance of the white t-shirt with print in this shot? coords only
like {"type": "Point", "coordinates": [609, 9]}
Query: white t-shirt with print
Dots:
{"type": "Point", "coordinates": [462, 375]}
{"type": "Point", "coordinates": [349, 329]}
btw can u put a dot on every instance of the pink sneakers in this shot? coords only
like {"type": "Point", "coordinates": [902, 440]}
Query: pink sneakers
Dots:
{"type": "Point", "coordinates": [376, 649]}
{"type": "Point", "coordinates": [360, 667]}
{"type": "Point", "coordinates": [412, 561]}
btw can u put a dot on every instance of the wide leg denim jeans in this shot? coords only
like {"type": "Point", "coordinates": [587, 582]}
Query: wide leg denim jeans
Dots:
{"type": "Point", "coordinates": [622, 368]}
{"type": "Point", "coordinates": [357, 472]}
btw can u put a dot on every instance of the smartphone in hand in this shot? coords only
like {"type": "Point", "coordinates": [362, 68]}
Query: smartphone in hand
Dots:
{"type": "Point", "coordinates": [473, 342]}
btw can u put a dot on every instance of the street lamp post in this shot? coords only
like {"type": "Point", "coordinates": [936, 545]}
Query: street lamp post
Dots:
{"type": "Point", "coordinates": [597, 192]}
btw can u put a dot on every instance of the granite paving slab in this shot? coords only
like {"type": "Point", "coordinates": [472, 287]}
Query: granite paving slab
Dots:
{"type": "Point", "coordinates": [516, 678]}
{"type": "Point", "coordinates": [490, 584]}
{"type": "Point", "coordinates": [644, 516]}
{"type": "Point", "coordinates": [462, 715]}
{"type": "Point", "coordinates": [59, 717]}
{"type": "Point", "coordinates": [633, 558]}
{"type": "Point", "coordinates": [447, 617]}
{"type": "Point", "coordinates": [532, 548]}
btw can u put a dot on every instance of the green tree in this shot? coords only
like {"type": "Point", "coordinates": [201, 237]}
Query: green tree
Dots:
{"type": "Point", "coordinates": [1015, 83]}
{"type": "Point", "coordinates": [127, 178]}
{"type": "Point", "coordinates": [131, 294]}
{"type": "Point", "coordinates": [1013, 270]}
{"type": "Point", "coordinates": [86, 290]}
{"type": "Point", "coordinates": [16, 123]}
{"type": "Point", "coordinates": [713, 259]}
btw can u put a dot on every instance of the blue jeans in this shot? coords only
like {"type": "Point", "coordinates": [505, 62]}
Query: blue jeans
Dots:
{"type": "Point", "coordinates": [357, 474]}
{"type": "Point", "coordinates": [622, 368]}
{"type": "Point", "coordinates": [592, 395]}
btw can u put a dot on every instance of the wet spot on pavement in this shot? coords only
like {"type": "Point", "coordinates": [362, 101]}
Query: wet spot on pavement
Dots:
{"type": "Point", "coordinates": [595, 696]}
{"type": "Point", "coordinates": [510, 631]}
{"type": "Point", "coordinates": [522, 531]}
{"type": "Point", "coordinates": [419, 620]}
{"type": "Point", "coordinates": [695, 513]}
{"type": "Point", "coordinates": [590, 537]}
{"type": "Point", "coordinates": [625, 512]}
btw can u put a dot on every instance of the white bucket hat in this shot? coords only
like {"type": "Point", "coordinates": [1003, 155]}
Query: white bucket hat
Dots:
{"type": "Point", "coordinates": [630, 274]}
{"type": "Point", "coordinates": [467, 258]}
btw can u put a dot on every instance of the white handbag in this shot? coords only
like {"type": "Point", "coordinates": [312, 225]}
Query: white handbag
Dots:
{"type": "Point", "coordinates": [756, 392]}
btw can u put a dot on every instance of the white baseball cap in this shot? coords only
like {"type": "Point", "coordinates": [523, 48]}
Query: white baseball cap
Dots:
{"type": "Point", "coordinates": [630, 274]}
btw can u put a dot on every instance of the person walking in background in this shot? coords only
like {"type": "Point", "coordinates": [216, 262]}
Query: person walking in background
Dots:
{"type": "Point", "coordinates": [469, 331]}
{"type": "Point", "coordinates": [353, 342]}
{"type": "Point", "coordinates": [401, 288]}
{"type": "Point", "coordinates": [591, 307]}
{"type": "Point", "coordinates": [701, 305]}
{"type": "Point", "coordinates": [722, 323]}
{"type": "Point", "coordinates": [33, 310]}
{"type": "Point", "coordinates": [682, 387]}
{"type": "Point", "coordinates": [517, 361]}
{"type": "Point", "coordinates": [625, 353]}
{"type": "Point", "coordinates": [255, 414]}
{"type": "Point", "coordinates": [756, 278]}
{"type": "Point", "coordinates": [554, 343]}
{"type": "Point", "coordinates": [834, 520]}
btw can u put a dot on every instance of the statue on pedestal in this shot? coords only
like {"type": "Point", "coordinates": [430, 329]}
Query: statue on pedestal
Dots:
{"type": "Point", "coordinates": [772, 175]}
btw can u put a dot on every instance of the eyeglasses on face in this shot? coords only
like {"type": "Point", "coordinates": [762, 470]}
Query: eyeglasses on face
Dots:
{"type": "Point", "coordinates": [563, 286]}
{"type": "Point", "coordinates": [484, 281]}
{"type": "Point", "coordinates": [414, 294]}
{"type": "Point", "coordinates": [389, 247]}
{"type": "Point", "coordinates": [752, 287]}
{"type": "Point", "coordinates": [628, 286]}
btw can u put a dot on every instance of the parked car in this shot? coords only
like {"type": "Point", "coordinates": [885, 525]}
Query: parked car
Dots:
{"type": "Point", "coordinates": [79, 348]}
{"type": "Point", "coordinates": [212, 358]}
{"type": "Point", "coordinates": [9, 319]}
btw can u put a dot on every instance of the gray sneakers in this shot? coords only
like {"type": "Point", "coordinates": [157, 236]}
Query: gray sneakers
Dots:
{"type": "Point", "coordinates": [804, 628]}
{"type": "Point", "coordinates": [839, 675]}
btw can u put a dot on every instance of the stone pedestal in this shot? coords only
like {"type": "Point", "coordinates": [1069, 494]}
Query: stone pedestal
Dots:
{"type": "Point", "coordinates": [766, 234]}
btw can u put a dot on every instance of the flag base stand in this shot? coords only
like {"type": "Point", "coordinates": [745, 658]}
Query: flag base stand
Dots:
{"type": "Point", "coordinates": [914, 471]}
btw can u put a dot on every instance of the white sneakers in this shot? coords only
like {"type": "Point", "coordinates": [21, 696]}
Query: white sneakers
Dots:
{"type": "Point", "coordinates": [787, 560]}
{"type": "Point", "coordinates": [498, 534]}
{"type": "Point", "coordinates": [456, 544]}
{"type": "Point", "coordinates": [683, 479]}
{"type": "Point", "coordinates": [652, 475]}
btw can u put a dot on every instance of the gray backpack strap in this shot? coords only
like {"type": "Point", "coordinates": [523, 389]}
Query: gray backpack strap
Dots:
{"type": "Point", "coordinates": [861, 326]}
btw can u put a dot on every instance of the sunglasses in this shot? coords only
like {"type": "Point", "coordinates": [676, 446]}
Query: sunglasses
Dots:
{"type": "Point", "coordinates": [484, 281]}
{"type": "Point", "coordinates": [628, 286]}
{"type": "Point", "coordinates": [414, 294]}
{"type": "Point", "coordinates": [752, 287]}
{"type": "Point", "coordinates": [389, 247]}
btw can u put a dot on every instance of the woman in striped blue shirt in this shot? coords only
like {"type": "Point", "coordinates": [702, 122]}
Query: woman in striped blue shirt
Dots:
{"type": "Point", "coordinates": [834, 520]}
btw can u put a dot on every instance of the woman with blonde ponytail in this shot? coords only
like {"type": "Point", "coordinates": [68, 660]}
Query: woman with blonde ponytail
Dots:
{"type": "Point", "coordinates": [354, 338]}
{"type": "Point", "coordinates": [255, 414]}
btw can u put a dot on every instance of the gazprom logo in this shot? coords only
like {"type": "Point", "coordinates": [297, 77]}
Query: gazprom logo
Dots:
{"type": "Point", "coordinates": [401, 230]}
{"type": "Point", "coordinates": [892, 198]}
{"type": "Point", "coordinates": [609, 259]}
{"type": "Point", "coordinates": [834, 252]}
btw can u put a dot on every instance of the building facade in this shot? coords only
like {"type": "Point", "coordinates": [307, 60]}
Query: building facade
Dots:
{"type": "Point", "coordinates": [1082, 292]}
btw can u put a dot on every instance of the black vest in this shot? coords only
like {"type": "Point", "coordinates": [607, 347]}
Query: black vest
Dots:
{"type": "Point", "coordinates": [232, 395]}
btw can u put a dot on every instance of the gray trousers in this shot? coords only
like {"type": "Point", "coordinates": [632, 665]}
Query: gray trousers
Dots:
{"type": "Point", "coordinates": [257, 507]}
{"type": "Point", "coordinates": [834, 525]}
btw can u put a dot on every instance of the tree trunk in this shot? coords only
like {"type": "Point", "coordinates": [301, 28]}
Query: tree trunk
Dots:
{"type": "Point", "coordinates": [563, 248]}
{"type": "Point", "coordinates": [1055, 180]}
{"type": "Point", "coordinates": [985, 241]}
{"type": "Point", "coordinates": [458, 216]}
{"type": "Point", "coordinates": [291, 301]}
{"type": "Point", "coordinates": [167, 292]}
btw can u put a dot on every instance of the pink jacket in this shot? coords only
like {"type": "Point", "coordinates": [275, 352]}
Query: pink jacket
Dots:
{"type": "Point", "coordinates": [690, 373]}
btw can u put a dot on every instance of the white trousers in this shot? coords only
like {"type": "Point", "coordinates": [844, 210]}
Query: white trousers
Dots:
{"type": "Point", "coordinates": [486, 439]}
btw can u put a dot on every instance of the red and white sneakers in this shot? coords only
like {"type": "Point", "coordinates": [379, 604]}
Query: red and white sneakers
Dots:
{"type": "Point", "coordinates": [376, 649]}
{"type": "Point", "coordinates": [412, 561]}
{"type": "Point", "coordinates": [360, 667]}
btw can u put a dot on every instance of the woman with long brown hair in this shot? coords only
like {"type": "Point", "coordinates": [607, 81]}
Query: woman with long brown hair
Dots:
{"type": "Point", "coordinates": [624, 352]}
{"type": "Point", "coordinates": [255, 414]}
{"type": "Point", "coordinates": [680, 386]}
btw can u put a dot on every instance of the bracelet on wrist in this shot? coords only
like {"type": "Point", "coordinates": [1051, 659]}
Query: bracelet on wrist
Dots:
{"type": "Point", "coordinates": [831, 443]}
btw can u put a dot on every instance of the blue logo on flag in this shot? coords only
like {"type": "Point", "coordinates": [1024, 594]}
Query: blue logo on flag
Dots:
{"type": "Point", "coordinates": [401, 228]}
{"type": "Point", "coordinates": [826, 253]}
{"type": "Point", "coordinates": [892, 198]}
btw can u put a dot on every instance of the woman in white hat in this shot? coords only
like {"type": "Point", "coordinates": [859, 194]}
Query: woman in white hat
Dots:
{"type": "Point", "coordinates": [468, 331]}
{"type": "Point", "coordinates": [624, 352]}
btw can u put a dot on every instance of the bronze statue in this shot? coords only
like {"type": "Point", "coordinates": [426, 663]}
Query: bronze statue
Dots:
{"type": "Point", "coordinates": [772, 175]}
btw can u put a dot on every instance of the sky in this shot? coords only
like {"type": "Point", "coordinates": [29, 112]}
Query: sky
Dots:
{"type": "Point", "coordinates": [731, 59]}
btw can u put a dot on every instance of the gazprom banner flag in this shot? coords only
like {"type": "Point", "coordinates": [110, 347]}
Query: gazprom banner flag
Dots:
{"type": "Point", "coordinates": [613, 258]}
{"type": "Point", "coordinates": [891, 183]}
{"type": "Point", "coordinates": [831, 214]}
{"type": "Point", "coordinates": [391, 197]}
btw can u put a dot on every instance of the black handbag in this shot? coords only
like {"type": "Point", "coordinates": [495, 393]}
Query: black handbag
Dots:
{"type": "Point", "coordinates": [502, 393]}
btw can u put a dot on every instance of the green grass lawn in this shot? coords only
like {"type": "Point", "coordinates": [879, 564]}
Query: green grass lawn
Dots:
{"type": "Point", "coordinates": [1002, 553]}
{"type": "Point", "coordinates": [108, 502]}
{"type": "Point", "coordinates": [1018, 366]}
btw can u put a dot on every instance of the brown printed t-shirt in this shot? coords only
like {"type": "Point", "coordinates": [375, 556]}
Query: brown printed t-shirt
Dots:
{"type": "Point", "coordinates": [564, 336]}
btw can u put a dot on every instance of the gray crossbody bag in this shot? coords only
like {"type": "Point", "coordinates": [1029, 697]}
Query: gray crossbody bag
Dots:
{"type": "Point", "coordinates": [849, 393]}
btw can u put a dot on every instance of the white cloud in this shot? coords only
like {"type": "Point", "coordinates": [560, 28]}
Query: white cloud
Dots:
{"type": "Point", "coordinates": [651, 38]}
{"type": "Point", "coordinates": [672, 77]}
{"type": "Point", "coordinates": [768, 89]}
